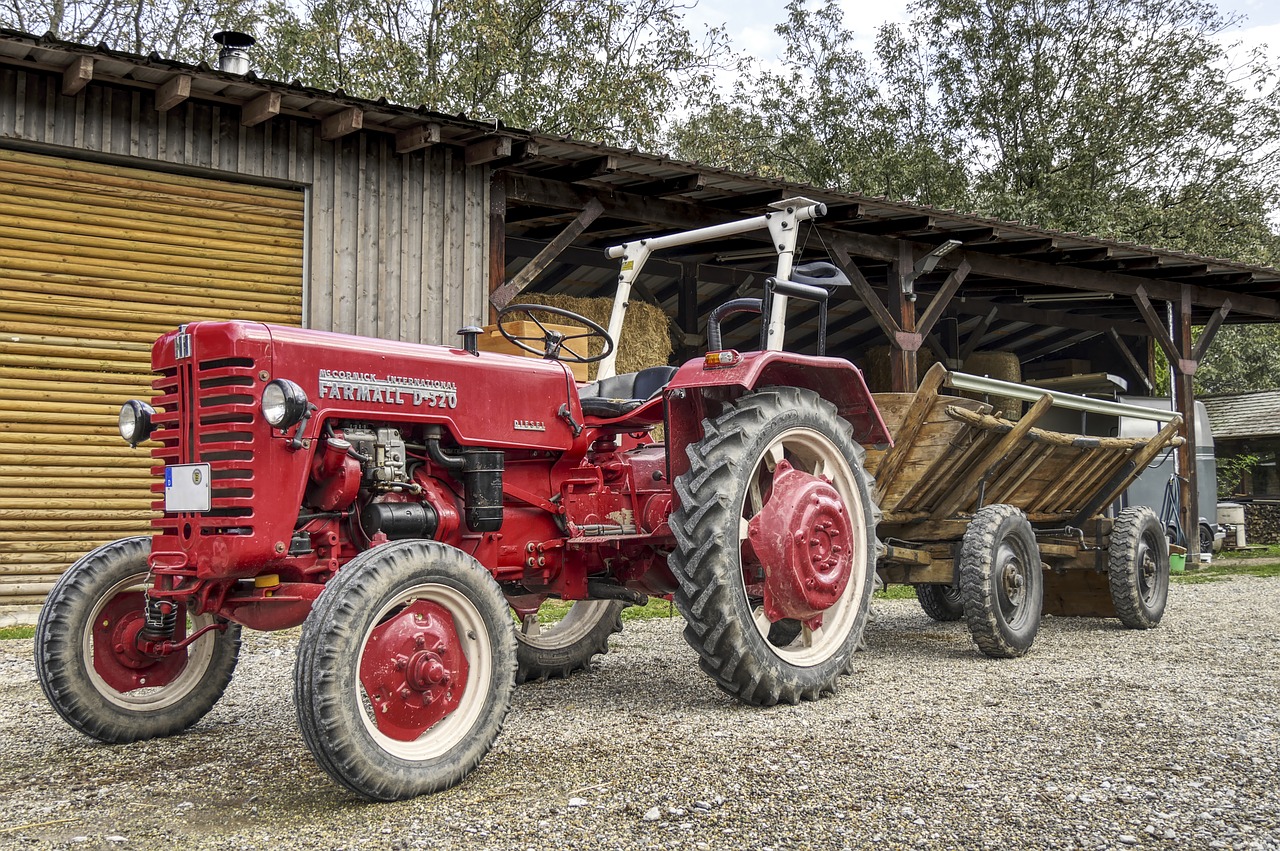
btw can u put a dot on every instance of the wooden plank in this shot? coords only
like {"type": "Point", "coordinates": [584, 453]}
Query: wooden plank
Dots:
{"type": "Point", "coordinates": [1156, 326]}
{"type": "Point", "coordinates": [342, 123]}
{"type": "Point", "coordinates": [417, 137]}
{"type": "Point", "coordinates": [77, 75]}
{"type": "Point", "coordinates": [1077, 593]}
{"type": "Point", "coordinates": [913, 420]}
{"type": "Point", "coordinates": [262, 108]}
{"type": "Point", "coordinates": [1209, 331]}
{"type": "Point", "coordinates": [487, 150]}
{"type": "Point", "coordinates": [172, 92]}
{"type": "Point", "coordinates": [503, 295]}
{"type": "Point", "coordinates": [963, 490]}
{"type": "Point", "coordinates": [940, 301]}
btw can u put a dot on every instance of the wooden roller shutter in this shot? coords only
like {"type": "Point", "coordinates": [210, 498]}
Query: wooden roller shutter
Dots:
{"type": "Point", "coordinates": [96, 261]}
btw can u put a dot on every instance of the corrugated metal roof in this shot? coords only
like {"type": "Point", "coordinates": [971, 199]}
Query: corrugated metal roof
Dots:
{"type": "Point", "coordinates": [1241, 415]}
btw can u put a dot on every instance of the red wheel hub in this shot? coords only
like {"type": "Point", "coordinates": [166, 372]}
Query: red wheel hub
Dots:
{"type": "Point", "coordinates": [803, 536]}
{"type": "Point", "coordinates": [116, 656]}
{"type": "Point", "coordinates": [413, 670]}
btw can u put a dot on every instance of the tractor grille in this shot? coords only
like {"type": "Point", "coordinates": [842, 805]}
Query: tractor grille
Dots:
{"type": "Point", "coordinates": [207, 413]}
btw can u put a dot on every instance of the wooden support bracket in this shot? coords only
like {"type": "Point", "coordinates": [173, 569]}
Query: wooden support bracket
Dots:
{"type": "Point", "coordinates": [940, 301]}
{"type": "Point", "coordinates": [1156, 326]}
{"type": "Point", "coordinates": [262, 108]}
{"type": "Point", "coordinates": [863, 290]}
{"type": "Point", "coordinates": [416, 138]}
{"type": "Point", "coordinates": [173, 92]}
{"type": "Point", "coordinates": [77, 75]}
{"type": "Point", "coordinates": [487, 150]}
{"type": "Point", "coordinates": [974, 339]}
{"type": "Point", "coordinates": [342, 124]}
{"type": "Point", "coordinates": [1210, 331]}
{"type": "Point", "coordinates": [503, 295]}
{"type": "Point", "coordinates": [1114, 336]}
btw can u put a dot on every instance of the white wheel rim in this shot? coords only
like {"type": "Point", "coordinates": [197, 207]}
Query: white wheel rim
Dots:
{"type": "Point", "coordinates": [473, 637]}
{"type": "Point", "coordinates": [199, 653]}
{"type": "Point", "coordinates": [813, 453]}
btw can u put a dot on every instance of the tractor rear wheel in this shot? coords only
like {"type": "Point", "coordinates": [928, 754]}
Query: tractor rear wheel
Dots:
{"type": "Point", "coordinates": [941, 602]}
{"type": "Point", "coordinates": [775, 547]}
{"type": "Point", "coordinates": [559, 649]}
{"type": "Point", "coordinates": [405, 670]}
{"type": "Point", "coordinates": [1138, 568]}
{"type": "Point", "coordinates": [1001, 581]}
{"type": "Point", "coordinates": [88, 663]}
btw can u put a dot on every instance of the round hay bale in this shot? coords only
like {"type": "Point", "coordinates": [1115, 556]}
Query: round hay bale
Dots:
{"type": "Point", "coordinates": [1003, 366]}
{"type": "Point", "coordinates": [646, 331]}
{"type": "Point", "coordinates": [877, 372]}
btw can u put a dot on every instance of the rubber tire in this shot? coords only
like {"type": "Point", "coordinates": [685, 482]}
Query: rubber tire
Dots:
{"type": "Point", "coordinates": [1138, 555]}
{"type": "Point", "coordinates": [941, 602]}
{"type": "Point", "coordinates": [991, 529]}
{"type": "Point", "coordinates": [707, 562]}
{"type": "Point", "coordinates": [326, 684]}
{"type": "Point", "coordinates": [552, 658]}
{"type": "Point", "coordinates": [60, 643]}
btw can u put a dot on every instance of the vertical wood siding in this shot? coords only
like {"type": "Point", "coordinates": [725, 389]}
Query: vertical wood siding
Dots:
{"type": "Point", "coordinates": [397, 243]}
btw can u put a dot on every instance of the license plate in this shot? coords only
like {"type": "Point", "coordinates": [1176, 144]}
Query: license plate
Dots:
{"type": "Point", "coordinates": [186, 487]}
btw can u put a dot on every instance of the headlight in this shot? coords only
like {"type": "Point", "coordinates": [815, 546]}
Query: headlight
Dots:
{"type": "Point", "coordinates": [135, 421]}
{"type": "Point", "coordinates": [283, 403]}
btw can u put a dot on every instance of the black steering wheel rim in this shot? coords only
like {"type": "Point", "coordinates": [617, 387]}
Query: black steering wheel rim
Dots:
{"type": "Point", "coordinates": [553, 346]}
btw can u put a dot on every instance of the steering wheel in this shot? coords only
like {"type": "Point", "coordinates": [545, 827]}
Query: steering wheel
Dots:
{"type": "Point", "coordinates": [553, 342]}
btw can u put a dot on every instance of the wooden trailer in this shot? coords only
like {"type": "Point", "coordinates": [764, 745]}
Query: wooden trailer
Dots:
{"type": "Point", "coordinates": [996, 521]}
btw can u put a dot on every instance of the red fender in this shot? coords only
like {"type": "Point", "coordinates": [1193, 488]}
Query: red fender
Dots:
{"type": "Point", "coordinates": [834, 379]}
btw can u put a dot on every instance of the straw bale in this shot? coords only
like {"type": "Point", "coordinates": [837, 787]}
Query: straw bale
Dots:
{"type": "Point", "coordinates": [646, 332]}
{"type": "Point", "coordinates": [1002, 365]}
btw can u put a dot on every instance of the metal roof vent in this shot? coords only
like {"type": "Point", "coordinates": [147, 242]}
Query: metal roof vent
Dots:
{"type": "Point", "coordinates": [234, 56]}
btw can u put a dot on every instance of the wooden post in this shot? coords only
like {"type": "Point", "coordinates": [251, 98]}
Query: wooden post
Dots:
{"type": "Point", "coordinates": [497, 238]}
{"type": "Point", "coordinates": [902, 358]}
{"type": "Point", "coordinates": [1185, 397]}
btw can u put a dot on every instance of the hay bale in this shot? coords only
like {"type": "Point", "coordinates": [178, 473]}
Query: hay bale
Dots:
{"type": "Point", "coordinates": [878, 374]}
{"type": "Point", "coordinates": [1002, 365]}
{"type": "Point", "coordinates": [646, 332]}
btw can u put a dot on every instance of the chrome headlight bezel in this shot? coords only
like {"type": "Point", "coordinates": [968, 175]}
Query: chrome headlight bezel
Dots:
{"type": "Point", "coordinates": [136, 421]}
{"type": "Point", "coordinates": [284, 403]}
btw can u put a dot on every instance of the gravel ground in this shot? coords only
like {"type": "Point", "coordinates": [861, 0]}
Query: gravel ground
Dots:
{"type": "Point", "coordinates": [1100, 738]}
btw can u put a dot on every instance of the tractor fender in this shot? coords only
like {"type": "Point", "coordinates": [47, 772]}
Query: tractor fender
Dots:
{"type": "Point", "coordinates": [694, 389]}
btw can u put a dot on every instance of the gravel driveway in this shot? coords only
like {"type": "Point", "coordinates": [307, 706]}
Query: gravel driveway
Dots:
{"type": "Point", "coordinates": [1100, 738]}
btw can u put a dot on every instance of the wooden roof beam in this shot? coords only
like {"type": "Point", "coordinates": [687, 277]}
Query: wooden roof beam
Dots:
{"type": "Point", "coordinates": [1069, 277]}
{"type": "Point", "coordinates": [77, 75]}
{"type": "Point", "coordinates": [416, 138]}
{"type": "Point", "coordinates": [503, 295]}
{"type": "Point", "coordinates": [670, 186]}
{"type": "Point", "coordinates": [262, 108]}
{"type": "Point", "coordinates": [653, 212]}
{"type": "Point", "coordinates": [900, 225]}
{"type": "Point", "coordinates": [582, 170]}
{"type": "Point", "coordinates": [341, 123]}
{"type": "Point", "coordinates": [1014, 246]}
{"type": "Point", "coordinates": [173, 92]}
{"type": "Point", "coordinates": [747, 200]}
{"type": "Point", "coordinates": [487, 150]}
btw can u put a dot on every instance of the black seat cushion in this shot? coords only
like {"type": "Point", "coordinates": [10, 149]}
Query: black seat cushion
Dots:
{"type": "Point", "coordinates": [610, 398]}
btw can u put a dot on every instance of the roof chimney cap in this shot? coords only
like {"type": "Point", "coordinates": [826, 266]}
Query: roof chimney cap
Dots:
{"type": "Point", "coordinates": [234, 56]}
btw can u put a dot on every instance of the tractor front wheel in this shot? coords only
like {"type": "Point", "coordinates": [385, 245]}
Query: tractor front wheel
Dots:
{"type": "Point", "coordinates": [405, 670]}
{"type": "Point", "coordinates": [89, 665]}
{"type": "Point", "coordinates": [775, 547]}
{"type": "Point", "coordinates": [547, 650]}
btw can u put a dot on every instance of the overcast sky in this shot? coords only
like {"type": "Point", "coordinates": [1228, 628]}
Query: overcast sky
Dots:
{"type": "Point", "coordinates": [750, 23]}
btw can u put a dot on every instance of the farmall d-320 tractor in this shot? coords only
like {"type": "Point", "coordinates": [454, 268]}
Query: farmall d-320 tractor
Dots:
{"type": "Point", "coordinates": [401, 502]}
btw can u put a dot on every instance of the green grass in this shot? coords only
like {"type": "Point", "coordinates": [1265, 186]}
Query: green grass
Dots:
{"type": "Point", "coordinates": [553, 610]}
{"type": "Point", "coordinates": [1216, 573]}
{"type": "Point", "coordinates": [17, 632]}
{"type": "Point", "coordinates": [896, 592]}
{"type": "Point", "coordinates": [1270, 551]}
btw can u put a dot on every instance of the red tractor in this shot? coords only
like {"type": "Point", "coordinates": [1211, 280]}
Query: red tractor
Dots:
{"type": "Point", "coordinates": [413, 506]}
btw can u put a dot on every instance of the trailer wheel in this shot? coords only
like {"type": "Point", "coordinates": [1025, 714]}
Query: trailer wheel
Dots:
{"type": "Point", "coordinates": [87, 663]}
{"type": "Point", "coordinates": [775, 547]}
{"type": "Point", "coordinates": [1001, 582]}
{"type": "Point", "coordinates": [941, 602]}
{"type": "Point", "coordinates": [1138, 568]}
{"type": "Point", "coordinates": [405, 670]}
{"type": "Point", "coordinates": [557, 650]}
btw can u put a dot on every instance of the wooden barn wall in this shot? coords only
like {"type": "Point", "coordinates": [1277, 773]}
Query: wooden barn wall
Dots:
{"type": "Point", "coordinates": [397, 244]}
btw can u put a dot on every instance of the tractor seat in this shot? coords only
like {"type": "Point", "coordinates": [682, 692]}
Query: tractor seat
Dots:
{"type": "Point", "coordinates": [614, 397]}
